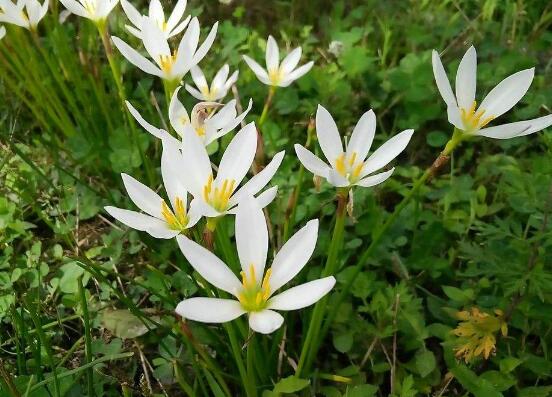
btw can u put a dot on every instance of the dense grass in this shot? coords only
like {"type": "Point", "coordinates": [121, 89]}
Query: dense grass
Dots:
{"type": "Point", "coordinates": [87, 304]}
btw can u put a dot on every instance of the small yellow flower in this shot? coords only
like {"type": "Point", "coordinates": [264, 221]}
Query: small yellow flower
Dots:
{"type": "Point", "coordinates": [476, 333]}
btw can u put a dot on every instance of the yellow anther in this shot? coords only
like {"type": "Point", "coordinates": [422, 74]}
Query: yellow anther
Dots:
{"type": "Point", "coordinates": [340, 164]}
{"type": "Point", "coordinates": [178, 219]}
{"type": "Point", "coordinates": [357, 170]}
{"type": "Point", "coordinates": [472, 119]}
{"type": "Point", "coordinates": [167, 61]}
{"type": "Point", "coordinates": [200, 131]}
{"type": "Point", "coordinates": [254, 297]}
{"type": "Point", "coordinates": [275, 75]}
{"type": "Point", "coordinates": [352, 159]}
{"type": "Point", "coordinates": [252, 274]}
{"type": "Point", "coordinates": [259, 298]}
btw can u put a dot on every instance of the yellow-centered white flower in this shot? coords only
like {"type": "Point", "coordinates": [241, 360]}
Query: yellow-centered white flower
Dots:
{"type": "Point", "coordinates": [279, 74]}
{"type": "Point", "coordinates": [350, 167]}
{"type": "Point", "coordinates": [463, 110]}
{"type": "Point", "coordinates": [170, 66]}
{"type": "Point", "coordinates": [25, 13]}
{"type": "Point", "coordinates": [254, 295]}
{"type": "Point", "coordinates": [220, 195]}
{"type": "Point", "coordinates": [169, 27]}
{"type": "Point", "coordinates": [159, 219]}
{"type": "Point", "coordinates": [219, 86]}
{"type": "Point", "coordinates": [209, 120]}
{"type": "Point", "coordinates": [95, 10]}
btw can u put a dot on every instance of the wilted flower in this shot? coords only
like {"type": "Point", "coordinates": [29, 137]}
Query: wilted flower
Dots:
{"type": "Point", "coordinates": [95, 10]}
{"type": "Point", "coordinates": [219, 86]}
{"type": "Point", "coordinates": [350, 167]}
{"type": "Point", "coordinates": [462, 108]}
{"type": "Point", "coordinates": [476, 333]}
{"type": "Point", "coordinates": [219, 196]}
{"type": "Point", "coordinates": [26, 13]}
{"type": "Point", "coordinates": [159, 220]}
{"type": "Point", "coordinates": [170, 27]}
{"type": "Point", "coordinates": [208, 123]}
{"type": "Point", "coordinates": [254, 294]}
{"type": "Point", "coordinates": [170, 66]}
{"type": "Point", "coordinates": [279, 74]}
{"type": "Point", "coordinates": [336, 48]}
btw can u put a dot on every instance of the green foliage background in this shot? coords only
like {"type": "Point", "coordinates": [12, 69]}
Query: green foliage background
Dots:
{"type": "Point", "coordinates": [477, 235]}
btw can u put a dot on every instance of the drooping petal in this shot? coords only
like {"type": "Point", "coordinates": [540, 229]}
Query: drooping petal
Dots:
{"type": "Point", "coordinates": [265, 321]}
{"type": "Point", "coordinates": [257, 69]}
{"type": "Point", "coordinates": [296, 74]}
{"type": "Point", "coordinates": [260, 180]}
{"type": "Point", "coordinates": [251, 237]}
{"type": "Point", "coordinates": [519, 128]}
{"type": "Point", "coordinates": [362, 136]}
{"type": "Point", "coordinates": [328, 135]}
{"type": "Point", "coordinates": [176, 15]}
{"type": "Point", "coordinates": [376, 179]}
{"type": "Point", "coordinates": [291, 61]}
{"type": "Point", "coordinates": [144, 198]}
{"type": "Point", "coordinates": [157, 132]}
{"type": "Point", "coordinates": [311, 162]}
{"type": "Point", "coordinates": [387, 152]}
{"type": "Point", "coordinates": [239, 155]}
{"type": "Point", "coordinates": [272, 54]}
{"type": "Point", "coordinates": [507, 93]}
{"type": "Point", "coordinates": [135, 58]}
{"type": "Point", "coordinates": [466, 79]}
{"type": "Point", "coordinates": [443, 83]}
{"type": "Point", "coordinates": [294, 255]}
{"type": "Point", "coordinates": [209, 266]}
{"type": "Point", "coordinates": [302, 295]}
{"type": "Point", "coordinates": [209, 310]}
{"type": "Point", "coordinates": [172, 166]}
{"type": "Point", "coordinates": [197, 168]}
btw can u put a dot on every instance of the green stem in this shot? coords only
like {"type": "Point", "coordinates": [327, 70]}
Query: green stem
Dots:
{"type": "Point", "coordinates": [442, 159]}
{"type": "Point", "coordinates": [236, 351]}
{"type": "Point", "coordinates": [331, 263]}
{"type": "Point", "coordinates": [264, 114]}
{"type": "Point", "coordinates": [250, 357]}
{"type": "Point", "coordinates": [87, 338]}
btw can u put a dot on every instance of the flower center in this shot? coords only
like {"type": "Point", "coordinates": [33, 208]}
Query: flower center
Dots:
{"type": "Point", "coordinates": [166, 62]}
{"type": "Point", "coordinates": [349, 167]}
{"type": "Point", "coordinates": [275, 76]}
{"type": "Point", "coordinates": [89, 6]}
{"type": "Point", "coordinates": [253, 296]}
{"type": "Point", "coordinates": [472, 119]}
{"type": "Point", "coordinates": [219, 196]}
{"type": "Point", "coordinates": [178, 219]}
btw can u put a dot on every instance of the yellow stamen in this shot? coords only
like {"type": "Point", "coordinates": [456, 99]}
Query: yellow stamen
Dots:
{"type": "Point", "coordinates": [166, 62]}
{"type": "Point", "coordinates": [340, 164]}
{"type": "Point", "coordinates": [275, 76]}
{"type": "Point", "coordinates": [254, 297]}
{"type": "Point", "coordinates": [178, 219]}
{"type": "Point", "coordinates": [472, 119]}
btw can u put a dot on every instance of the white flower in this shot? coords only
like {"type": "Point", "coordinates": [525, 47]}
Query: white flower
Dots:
{"type": "Point", "coordinates": [170, 66]}
{"type": "Point", "coordinates": [26, 13]}
{"type": "Point", "coordinates": [219, 196]}
{"type": "Point", "coordinates": [170, 27]}
{"type": "Point", "coordinates": [350, 167]}
{"type": "Point", "coordinates": [279, 74]}
{"type": "Point", "coordinates": [209, 126]}
{"type": "Point", "coordinates": [95, 10]}
{"type": "Point", "coordinates": [462, 108]}
{"type": "Point", "coordinates": [254, 294]}
{"type": "Point", "coordinates": [159, 220]}
{"type": "Point", "coordinates": [219, 86]}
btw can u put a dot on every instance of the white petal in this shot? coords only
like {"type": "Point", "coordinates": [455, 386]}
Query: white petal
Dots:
{"type": "Point", "coordinates": [187, 47]}
{"type": "Point", "coordinates": [507, 93]}
{"type": "Point", "coordinates": [291, 61]}
{"type": "Point", "coordinates": [133, 219]}
{"type": "Point", "coordinates": [76, 8]}
{"type": "Point", "coordinates": [132, 13]}
{"type": "Point", "coordinates": [156, 11]}
{"type": "Point", "coordinates": [154, 39]}
{"type": "Point", "coordinates": [195, 93]}
{"type": "Point", "coordinates": [443, 83]}
{"type": "Point", "coordinates": [176, 15]}
{"type": "Point", "coordinates": [239, 155]}
{"type": "Point", "coordinates": [302, 295]}
{"type": "Point", "coordinates": [231, 81]}
{"type": "Point", "coordinates": [157, 132]}
{"type": "Point", "coordinates": [233, 123]}
{"type": "Point", "coordinates": [197, 164]}
{"type": "Point", "coordinates": [519, 128]}
{"type": "Point", "coordinates": [296, 74]}
{"type": "Point", "coordinates": [256, 68]}
{"type": "Point", "coordinates": [294, 255]}
{"type": "Point", "coordinates": [180, 27]}
{"type": "Point", "coordinates": [260, 180]}
{"type": "Point", "coordinates": [265, 322]}
{"type": "Point", "coordinates": [466, 79]}
{"type": "Point", "coordinates": [251, 237]}
{"type": "Point", "coordinates": [135, 58]}
{"type": "Point", "coordinates": [220, 78]}
{"type": "Point", "coordinates": [209, 266]}
{"type": "Point", "coordinates": [178, 115]}
{"type": "Point", "coordinates": [375, 179]}
{"type": "Point", "coordinates": [387, 152]}
{"type": "Point", "coordinates": [272, 54]}
{"type": "Point", "coordinates": [199, 78]}
{"type": "Point", "coordinates": [362, 136]}
{"type": "Point", "coordinates": [2, 32]}
{"type": "Point", "coordinates": [453, 113]}
{"type": "Point", "coordinates": [328, 135]}
{"type": "Point", "coordinates": [205, 46]}
{"type": "Point", "coordinates": [311, 162]}
{"type": "Point", "coordinates": [209, 310]}
{"type": "Point", "coordinates": [172, 166]}
{"type": "Point", "coordinates": [144, 198]}
{"type": "Point", "coordinates": [336, 179]}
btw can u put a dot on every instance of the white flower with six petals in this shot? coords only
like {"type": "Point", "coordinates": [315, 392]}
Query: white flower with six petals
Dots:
{"type": "Point", "coordinates": [350, 167]}
{"type": "Point", "coordinates": [219, 86]}
{"type": "Point", "coordinates": [170, 27]}
{"type": "Point", "coordinates": [25, 13]}
{"type": "Point", "coordinates": [95, 10]}
{"type": "Point", "coordinates": [255, 294]}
